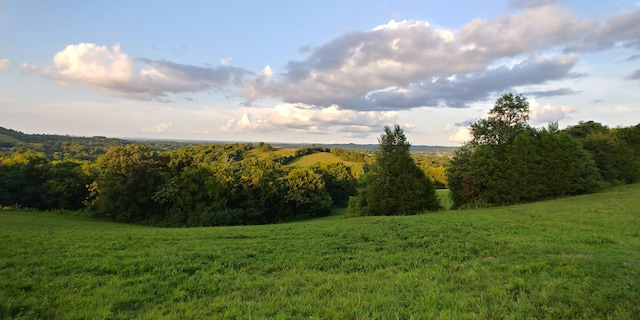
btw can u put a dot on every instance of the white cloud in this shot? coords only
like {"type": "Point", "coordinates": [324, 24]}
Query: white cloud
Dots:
{"type": "Point", "coordinates": [113, 72]}
{"type": "Point", "coordinates": [547, 113]}
{"type": "Point", "coordinates": [310, 119]}
{"type": "Point", "coordinates": [5, 65]}
{"type": "Point", "coordinates": [160, 127]}
{"type": "Point", "coordinates": [412, 55]}
{"type": "Point", "coordinates": [461, 135]}
{"type": "Point", "coordinates": [444, 68]}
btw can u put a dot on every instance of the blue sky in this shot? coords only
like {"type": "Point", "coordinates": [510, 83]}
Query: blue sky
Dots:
{"type": "Point", "coordinates": [312, 71]}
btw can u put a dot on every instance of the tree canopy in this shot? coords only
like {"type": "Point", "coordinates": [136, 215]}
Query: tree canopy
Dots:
{"type": "Point", "coordinates": [507, 161]}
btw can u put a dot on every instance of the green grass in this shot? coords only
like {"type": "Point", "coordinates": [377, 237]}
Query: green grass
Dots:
{"type": "Point", "coordinates": [309, 160]}
{"type": "Point", "coordinates": [8, 138]}
{"type": "Point", "coordinates": [443, 195]}
{"type": "Point", "coordinates": [318, 157]}
{"type": "Point", "coordinates": [568, 258]}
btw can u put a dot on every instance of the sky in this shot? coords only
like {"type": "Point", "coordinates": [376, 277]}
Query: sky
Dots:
{"type": "Point", "coordinates": [312, 71]}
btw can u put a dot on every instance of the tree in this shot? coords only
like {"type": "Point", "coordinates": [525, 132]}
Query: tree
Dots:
{"type": "Point", "coordinates": [306, 192]}
{"type": "Point", "coordinates": [128, 178]}
{"type": "Point", "coordinates": [509, 162]}
{"type": "Point", "coordinates": [395, 185]}
{"type": "Point", "coordinates": [506, 120]}
{"type": "Point", "coordinates": [339, 182]}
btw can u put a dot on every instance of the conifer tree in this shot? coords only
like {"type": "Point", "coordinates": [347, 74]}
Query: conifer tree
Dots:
{"type": "Point", "coordinates": [395, 185]}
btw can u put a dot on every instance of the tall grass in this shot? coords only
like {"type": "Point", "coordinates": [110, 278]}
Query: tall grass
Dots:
{"type": "Point", "coordinates": [568, 258]}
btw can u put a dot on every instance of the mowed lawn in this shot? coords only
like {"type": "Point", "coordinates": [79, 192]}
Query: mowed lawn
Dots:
{"type": "Point", "coordinates": [568, 258]}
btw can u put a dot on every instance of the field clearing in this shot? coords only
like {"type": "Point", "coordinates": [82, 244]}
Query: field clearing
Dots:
{"type": "Point", "coordinates": [443, 195]}
{"type": "Point", "coordinates": [8, 138]}
{"type": "Point", "coordinates": [323, 158]}
{"type": "Point", "coordinates": [567, 258]}
{"type": "Point", "coordinates": [318, 157]}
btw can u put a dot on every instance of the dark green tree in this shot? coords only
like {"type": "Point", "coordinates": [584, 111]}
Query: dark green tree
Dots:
{"type": "Point", "coordinates": [307, 194]}
{"type": "Point", "coordinates": [395, 185]}
{"type": "Point", "coordinates": [509, 162]}
{"type": "Point", "coordinates": [339, 182]}
{"type": "Point", "coordinates": [128, 178]}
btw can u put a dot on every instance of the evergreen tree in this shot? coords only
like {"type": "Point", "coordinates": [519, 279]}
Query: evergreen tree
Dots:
{"type": "Point", "coordinates": [395, 185]}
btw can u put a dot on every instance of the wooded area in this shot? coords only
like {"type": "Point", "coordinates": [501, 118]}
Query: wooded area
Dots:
{"type": "Point", "coordinates": [168, 183]}
{"type": "Point", "coordinates": [507, 161]}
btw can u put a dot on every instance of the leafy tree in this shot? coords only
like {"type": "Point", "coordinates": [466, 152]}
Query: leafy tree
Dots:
{"type": "Point", "coordinates": [128, 178]}
{"type": "Point", "coordinates": [395, 185]}
{"type": "Point", "coordinates": [339, 182]}
{"type": "Point", "coordinates": [506, 120]}
{"type": "Point", "coordinates": [616, 151]}
{"type": "Point", "coordinates": [307, 194]}
{"type": "Point", "coordinates": [508, 162]}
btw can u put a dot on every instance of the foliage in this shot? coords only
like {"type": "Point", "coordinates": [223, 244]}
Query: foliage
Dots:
{"type": "Point", "coordinates": [128, 178]}
{"type": "Point", "coordinates": [395, 185]}
{"type": "Point", "coordinates": [509, 162]}
{"type": "Point", "coordinates": [571, 258]}
{"type": "Point", "coordinates": [506, 120]}
{"type": "Point", "coordinates": [616, 152]}
{"type": "Point", "coordinates": [306, 192]}
{"type": "Point", "coordinates": [339, 182]}
{"type": "Point", "coordinates": [29, 179]}
{"type": "Point", "coordinates": [349, 155]}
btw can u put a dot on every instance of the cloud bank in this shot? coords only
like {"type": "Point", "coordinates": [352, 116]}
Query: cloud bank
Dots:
{"type": "Point", "coordinates": [112, 72]}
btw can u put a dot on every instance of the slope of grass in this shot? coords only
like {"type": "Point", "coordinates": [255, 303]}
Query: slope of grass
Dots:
{"type": "Point", "coordinates": [8, 138]}
{"type": "Point", "coordinates": [568, 258]}
{"type": "Point", "coordinates": [309, 160]}
{"type": "Point", "coordinates": [318, 157]}
{"type": "Point", "coordinates": [445, 200]}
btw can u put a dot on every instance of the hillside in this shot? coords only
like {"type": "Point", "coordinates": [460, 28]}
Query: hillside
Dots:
{"type": "Point", "coordinates": [10, 137]}
{"type": "Point", "coordinates": [567, 258]}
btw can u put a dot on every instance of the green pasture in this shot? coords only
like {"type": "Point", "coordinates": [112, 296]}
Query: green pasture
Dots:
{"type": "Point", "coordinates": [571, 258]}
{"type": "Point", "coordinates": [8, 138]}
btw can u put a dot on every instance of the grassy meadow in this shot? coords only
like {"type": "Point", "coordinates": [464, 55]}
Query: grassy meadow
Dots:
{"type": "Point", "coordinates": [568, 258]}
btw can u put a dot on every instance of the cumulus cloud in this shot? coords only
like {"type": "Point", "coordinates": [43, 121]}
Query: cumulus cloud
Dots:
{"type": "Point", "coordinates": [408, 64]}
{"type": "Point", "coordinates": [461, 91]}
{"type": "Point", "coordinates": [5, 65]}
{"type": "Point", "coordinates": [160, 127]}
{"type": "Point", "coordinates": [547, 113]}
{"type": "Point", "coordinates": [619, 30]}
{"type": "Point", "coordinates": [461, 135]}
{"type": "Point", "coordinates": [113, 72]}
{"type": "Point", "coordinates": [313, 119]}
{"type": "Point", "coordinates": [398, 65]}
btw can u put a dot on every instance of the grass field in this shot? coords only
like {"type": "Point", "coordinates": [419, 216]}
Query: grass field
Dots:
{"type": "Point", "coordinates": [568, 258]}
{"type": "Point", "coordinates": [357, 168]}
{"type": "Point", "coordinates": [8, 138]}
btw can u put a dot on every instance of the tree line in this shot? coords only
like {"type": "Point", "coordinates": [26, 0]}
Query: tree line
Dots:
{"type": "Point", "coordinates": [507, 161]}
{"type": "Point", "coordinates": [188, 186]}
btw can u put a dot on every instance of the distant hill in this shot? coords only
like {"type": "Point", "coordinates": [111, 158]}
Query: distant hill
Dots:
{"type": "Point", "coordinates": [13, 136]}
{"type": "Point", "coordinates": [423, 149]}
{"type": "Point", "coordinates": [10, 137]}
